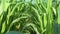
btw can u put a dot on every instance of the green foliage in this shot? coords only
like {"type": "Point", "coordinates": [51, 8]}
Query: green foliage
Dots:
{"type": "Point", "coordinates": [28, 17]}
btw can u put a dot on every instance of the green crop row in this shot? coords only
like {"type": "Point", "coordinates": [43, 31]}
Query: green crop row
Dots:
{"type": "Point", "coordinates": [28, 16]}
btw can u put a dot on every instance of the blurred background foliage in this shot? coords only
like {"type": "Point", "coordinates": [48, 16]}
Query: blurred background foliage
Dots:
{"type": "Point", "coordinates": [30, 16]}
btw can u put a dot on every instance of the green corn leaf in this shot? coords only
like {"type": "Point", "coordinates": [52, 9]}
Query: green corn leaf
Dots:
{"type": "Point", "coordinates": [15, 8]}
{"type": "Point", "coordinates": [14, 21]}
{"type": "Point", "coordinates": [3, 27]}
{"type": "Point", "coordinates": [54, 10]}
{"type": "Point", "coordinates": [1, 9]}
{"type": "Point", "coordinates": [45, 20]}
{"type": "Point", "coordinates": [33, 25]}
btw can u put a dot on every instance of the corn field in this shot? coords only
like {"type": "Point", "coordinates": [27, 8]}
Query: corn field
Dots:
{"type": "Point", "coordinates": [29, 17]}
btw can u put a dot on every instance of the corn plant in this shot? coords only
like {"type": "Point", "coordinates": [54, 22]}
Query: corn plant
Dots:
{"type": "Point", "coordinates": [28, 16]}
